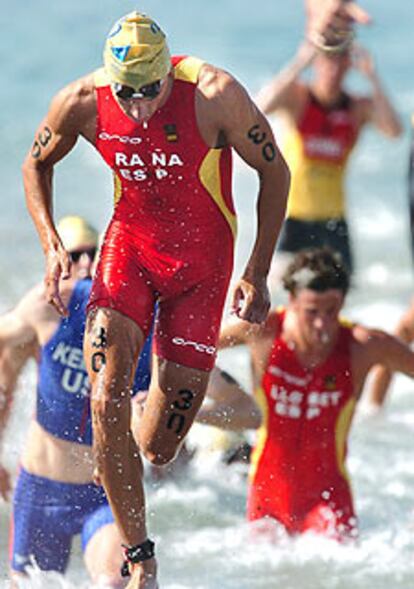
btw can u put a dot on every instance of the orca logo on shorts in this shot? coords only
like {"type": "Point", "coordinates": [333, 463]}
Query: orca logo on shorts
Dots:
{"type": "Point", "coordinates": [121, 138]}
{"type": "Point", "coordinates": [179, 341]}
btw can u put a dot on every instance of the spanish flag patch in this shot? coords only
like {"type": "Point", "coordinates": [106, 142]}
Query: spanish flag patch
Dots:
{"type": "Point", "coordinates": [171, 132]}
{"type": "Point", "coordinates": [330, 382]}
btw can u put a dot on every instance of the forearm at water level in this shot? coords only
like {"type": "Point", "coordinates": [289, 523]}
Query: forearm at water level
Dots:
{"type": "Point", "coordinates": [380, 385]}
{"type": "Point", "coordinates": [229, 418]}
{"type": "Point", "coordinates": [227, 405]}
{"type": "Point", "coordinates": [271, 208]}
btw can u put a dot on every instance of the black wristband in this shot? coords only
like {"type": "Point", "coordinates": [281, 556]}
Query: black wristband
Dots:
{"type": "Point", "coordinates": [140, 552]}
{"type": "Point", "coordinates": [137, 553]}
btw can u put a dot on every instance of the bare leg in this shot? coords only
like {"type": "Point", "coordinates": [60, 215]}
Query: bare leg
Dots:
{"type": "Point", "coordinates": [104, 557]}
{"type": "Point", "coordinates": [175, 396]}
{"type": "Point", "coordinates": [112, 345]}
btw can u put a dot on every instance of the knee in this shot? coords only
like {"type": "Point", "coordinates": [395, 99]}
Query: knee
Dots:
{"type": "Point", "coordinates": [110, 418]}
{"type": "Point", "coordinates": [159, 456]}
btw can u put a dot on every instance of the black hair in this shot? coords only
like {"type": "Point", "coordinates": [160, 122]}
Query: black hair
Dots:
{"type": "Point", "coordinates": [318, 269]}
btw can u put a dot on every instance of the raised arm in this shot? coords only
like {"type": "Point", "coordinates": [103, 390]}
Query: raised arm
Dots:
{"type": "Point", "coordinates": [227, 405]}
{"type": "Point", "coordinates": [377, 109]}
{"type": "Point", "coordinates": [54, 138]}
{"type": "Point", "coordinates": [351, 9]}
{"type": "Point", "coordinates": [283, 93]}
{"type": "Point", "coordinates": [249, 133]}
{"type": "Point", "coordinates": [329, 22]}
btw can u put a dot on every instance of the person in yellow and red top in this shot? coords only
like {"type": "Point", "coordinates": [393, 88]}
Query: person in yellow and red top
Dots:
{"type": "Point", "coordinates": [323, 124]}
{"type": "Point", "coordinates": [309, 368]}
{"type": "Point", "coordinates": [166, 127]}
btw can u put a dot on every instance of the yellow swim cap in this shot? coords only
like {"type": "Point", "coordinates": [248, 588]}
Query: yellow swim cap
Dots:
{"type": "Point", "coordinates": [76, 233]}
{"type": "Point", "coordinates": [136, 52]}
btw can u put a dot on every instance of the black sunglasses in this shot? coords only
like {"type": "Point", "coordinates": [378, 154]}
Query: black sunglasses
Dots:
{"type": "Point", "coordinates": [149, 91]}
{"type": "Point", "coordinates": [75, 256]}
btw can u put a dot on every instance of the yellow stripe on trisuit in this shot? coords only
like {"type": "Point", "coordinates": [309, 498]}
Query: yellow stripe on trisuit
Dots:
{"type": "Point", "coordinates": [262, 433]}
{"type": "Point", "coordinates": [209, 175]}
{"type": "Point", "coordinates": [342, 428]}
{"type": "Point", "coordinates": [101, 78]}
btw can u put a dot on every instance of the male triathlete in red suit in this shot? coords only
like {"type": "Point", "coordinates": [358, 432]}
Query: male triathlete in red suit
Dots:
{"type": "Point", "coordinates": [166, 128]}
{"type": "Point", "coordinates": [309, 368]}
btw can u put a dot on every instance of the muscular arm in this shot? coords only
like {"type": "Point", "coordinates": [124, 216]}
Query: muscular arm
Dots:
{"type": "Point", "coordinates": [378, 347]}
{"type": "Point", "coordinates": [382, 375]}
{"type": "Point", "coordinates": [54, 139]}
{"type": "Point", "coordinates": [228, 406]}
{"type": "Point", "coordinates": [240, 332]}
{"type": "Point", "coordinates": [249, 133]}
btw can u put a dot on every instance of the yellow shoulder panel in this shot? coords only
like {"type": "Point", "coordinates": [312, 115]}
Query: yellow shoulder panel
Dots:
{"type": "Point", "coordinates": [101, 78]}
{"type": "Point", "coordinates": [188, 69]}
{"type": "Point", "coordinates": [344, 322]}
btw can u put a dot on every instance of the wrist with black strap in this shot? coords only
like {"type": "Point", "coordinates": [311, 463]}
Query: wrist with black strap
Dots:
{"type": "Point", "coordinates": [136, 554]}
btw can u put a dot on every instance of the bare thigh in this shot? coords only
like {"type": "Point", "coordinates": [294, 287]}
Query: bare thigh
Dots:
{"type": "Point", "coordinates": [113, 343]}
{"type": "Point", "coordinates": [104, 557]}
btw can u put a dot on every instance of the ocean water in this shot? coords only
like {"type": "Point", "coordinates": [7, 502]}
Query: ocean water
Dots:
{"type": "Point", "coordinates": [198, 522]}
